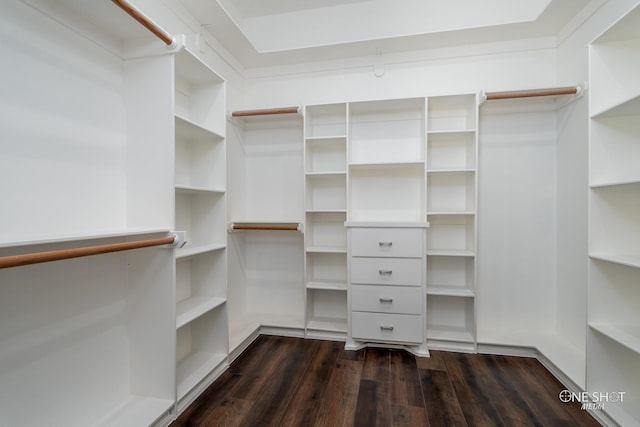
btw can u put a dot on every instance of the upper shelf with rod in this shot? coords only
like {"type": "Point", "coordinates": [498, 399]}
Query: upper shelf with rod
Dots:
{"type": "Point", "coordinates": [175, 239]}
{"type": "Point", "coordinates": [283, 116]}
{"type": "Point", "coordinates": [265, 226]}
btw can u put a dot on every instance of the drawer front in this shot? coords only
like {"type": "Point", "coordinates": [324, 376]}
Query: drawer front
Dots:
{"type": "Point", "coordinates": [400, 328]}
{"type": "Point", "coordinates": [386, 299]}
{"type": "Point", "coordinates": [386, 242]}
{"type": "Point", "coordinates": [387, 271]}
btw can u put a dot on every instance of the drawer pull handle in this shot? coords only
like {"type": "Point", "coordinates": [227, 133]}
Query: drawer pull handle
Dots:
{"type": "Point", "coordinates": [385, 272]}
{"type": "Point", "coordinates": [389, 300]}
{"type": "Point", "coordinates": [385, 244]}
{"type": "Point", "coordinates": [386, 328]}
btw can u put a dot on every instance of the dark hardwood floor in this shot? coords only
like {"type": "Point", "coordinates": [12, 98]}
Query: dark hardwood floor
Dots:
{"type": "Point", "coordinates": [281, 381]}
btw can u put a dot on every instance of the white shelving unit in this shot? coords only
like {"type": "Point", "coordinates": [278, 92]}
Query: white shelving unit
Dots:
{"type": "Point", "coordinates": [386, 204]}
{"type": "Point", "coordinates": [451, 205]}
{"type": "Point", "coordinates": [325, 177]}
{"type": "Point", "coordinates": [386, 160]}
{"type": "Point", "coordinates": [200, 210]}
{"type": "Point", "coordinates": [613, 340]}
{"type": "Point", "coordinates": [86, 341]}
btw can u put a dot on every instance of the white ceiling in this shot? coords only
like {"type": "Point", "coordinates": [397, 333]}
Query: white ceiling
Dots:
{"type": "Point", "coordinates": [263, 33]}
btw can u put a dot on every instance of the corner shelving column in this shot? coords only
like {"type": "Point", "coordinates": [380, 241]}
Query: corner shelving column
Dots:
{"type": "Point", "coordinates": [451, 157]}
{"type": "Point", "coordinates": [325, 170]}
{"type": "Point", "coordinates": [200, 210]}
{"type": "Point", "coordinates": [613, 340]}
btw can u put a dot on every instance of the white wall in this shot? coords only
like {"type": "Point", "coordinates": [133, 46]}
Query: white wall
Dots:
{"type": "Point", "coordinates": [63, 153]}
{"type": "Point", "coordinates": [517, 219]}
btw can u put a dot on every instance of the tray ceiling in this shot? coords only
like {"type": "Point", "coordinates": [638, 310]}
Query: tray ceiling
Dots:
{"type": "Point", "coordinates": [274, 32]}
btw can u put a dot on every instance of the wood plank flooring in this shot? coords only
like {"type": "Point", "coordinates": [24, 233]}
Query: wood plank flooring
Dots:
{"type": "Point", "coordinates": [281, 381]}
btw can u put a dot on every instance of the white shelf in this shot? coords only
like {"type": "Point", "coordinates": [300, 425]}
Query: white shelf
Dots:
{"type": "Point", "coordinates": [614, 151]}
{"type": "Point", "coordinates": [194, 368]}
{"type": "Point", "coordinates": [388, 224]}
{"type": "Point", "coordinates": [326, 211]}
{"type": "Point", "coordinates": [449, 333]}
{"type": "Point", "coordinates": [628, 260]}
{"type": "Point", "coordinates": [332, 285]}
{"type": "Point", "coordinates": [451, 150]}
{"type": "Point", "coordinates": [431, 171]}
{"type": "Point", "coordinates": [327, 308]}
{"type": "Point", "coordinates": [191, 189]}
{"type": "Point", "coordinates": [388, 131]}
{"type": "Point", "coordinates": [450, 318]}
{"type": "Point", "coordinates": [629, 107]}
{"type": "Point", "coordinates": [325, 155]}
{"type": "Point", "coordinates": [327, 324]}
{"type": "Point", "coordinates": [189, 251]}
{"type": "Point", "coordinates": [137, 411]}
{"type": "Point", "coordinates": [457, 113]}
{"type": "Point", "coordinates": [453, 275]}
{"type": "Point", "coordinates": [452, 253]}
{"type": "Point", "coordinates": [188, 129]}
{"type": "Point", "coordinates": [445, 213]}
{"type": "Point", "coordinates": [626, 335]}
{"type": "Point", "coordinates": [194, 307]}
{"type": "Point", "coordinates": [614, 61]}
{"type": "Point", "coordinates": [451, 233]}
{"type": "Point", "coordinates": [202, 215]}
{"type": "Point", "coordinates": [326, 192]}
{"type": "Point", "coordinates": [340, 173]}
{"type": "Point", "coordinates": [596, 185]}
{"type": "Point", "coordinates": [450, 291]}
{"type": "Point", "coordinates": [327, 249]}
{"type": "Point", "coordinates": [69, 238]}
{"type": "Point", "coordinates": [199, 94]}
{"type": "Point", "coordinates": [325, 138]}
{"type": "Point", "coordinates": [451, 192]}
{"type": "Point", "coordinates": [383, 165]}
{"type": "Point", "coordinates": [326, 121]}
{"type": "Point", "coordinates": [452, 131]}
{"type": "Point", "coordinates": [615, 368]}
{"type": "Point", "coordinates": [326, 270]}
{"type": "Point", "coordinates": [387, 192]}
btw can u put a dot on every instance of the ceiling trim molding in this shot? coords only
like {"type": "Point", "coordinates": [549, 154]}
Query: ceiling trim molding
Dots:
{"type": "Point", "coordinates": [407, 58]}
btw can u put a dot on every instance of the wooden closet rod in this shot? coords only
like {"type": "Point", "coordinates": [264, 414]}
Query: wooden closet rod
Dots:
{"type": "Point", "coordinates": [573, 90]}
{"type": "Point", "coordinates": [266, 112]}
{"type": "Point", "coordinates": [38, 257]}
{"type": "Point", "coordinates": [266, 227]}
{"type": "Point", "coordinates": [167, 38]}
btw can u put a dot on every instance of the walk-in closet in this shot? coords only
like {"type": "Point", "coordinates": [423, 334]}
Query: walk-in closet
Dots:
{"type": "Point", "coordinates": [181, 179]}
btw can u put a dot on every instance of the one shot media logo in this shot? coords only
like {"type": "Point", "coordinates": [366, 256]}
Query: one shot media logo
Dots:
{"type": "Point", "coordinates": [592, 400]}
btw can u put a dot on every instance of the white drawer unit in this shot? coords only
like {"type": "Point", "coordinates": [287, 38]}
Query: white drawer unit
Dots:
{"type": "Point", "coordinates": [386, 299]}
{"type": "Point", "coordinates": [386, 271]}
{"type": "Point", "coordinates": [394, 328]}
{"type": "Point", "coordinates": [386, 242]}
{"type": "Point", "coordinates": [387, 286]}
